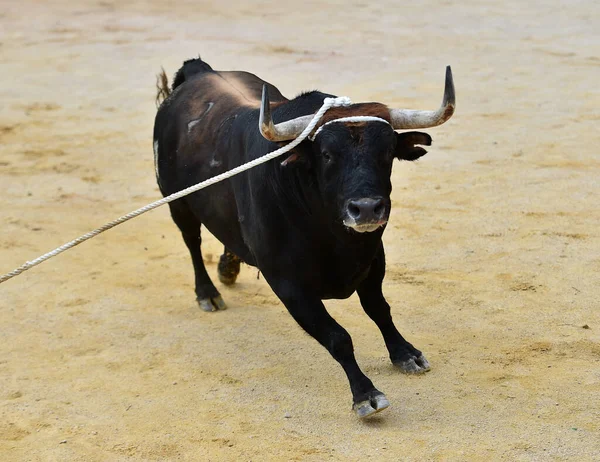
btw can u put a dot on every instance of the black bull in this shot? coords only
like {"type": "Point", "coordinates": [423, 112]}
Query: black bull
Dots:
{"type": "Point", "coordinates": [312, 224]}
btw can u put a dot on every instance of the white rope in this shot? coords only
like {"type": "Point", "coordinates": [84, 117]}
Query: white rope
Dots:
{"type": "Point", "coordinates": [351, 119]}
{"type": "Point", "coordinates": [327, 104]}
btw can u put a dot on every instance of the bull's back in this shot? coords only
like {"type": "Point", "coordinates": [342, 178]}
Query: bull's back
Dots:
{"type": "Point", "coordinates": [194, 127]}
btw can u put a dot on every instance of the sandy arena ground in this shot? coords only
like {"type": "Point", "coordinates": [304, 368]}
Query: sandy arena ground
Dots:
{"type": "Point", "coordinates": [493, 246]}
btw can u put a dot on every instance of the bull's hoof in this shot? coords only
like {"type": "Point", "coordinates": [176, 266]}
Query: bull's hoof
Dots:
{"type": "Point", "coordinates": [212, 304]}
{"type": "Point", "coordinates": [228, 268]}
{"type": "Point", "coordinates": [227, 279]}
{"type": "Point", "coordinates": [375, 402]}
{"type": "Point", "coordinates": [413, 365]}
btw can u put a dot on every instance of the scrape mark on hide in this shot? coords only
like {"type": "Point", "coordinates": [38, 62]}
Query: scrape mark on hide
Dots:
{"type": "Point", "coordinates": [192, 123]}
{"type": "Point", "coordinates": [225, 125]}
{"type": "Point", "coordinates": [156, 158]}
{"type": "Point", "coordinates": [215, 163]}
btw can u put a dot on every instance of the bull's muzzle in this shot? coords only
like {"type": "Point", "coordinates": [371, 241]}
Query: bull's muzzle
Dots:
{"type": "Point", "coordinates": [366, 214]}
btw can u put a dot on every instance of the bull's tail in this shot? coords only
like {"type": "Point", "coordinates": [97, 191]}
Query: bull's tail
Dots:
{"type": "Point", "coordinates": [162, 87]}
{"type": "Point", "coordinates": [190, 67]}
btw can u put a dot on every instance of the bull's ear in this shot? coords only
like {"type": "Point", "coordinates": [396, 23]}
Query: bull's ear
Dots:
{"type": "Point", "coordinates": [299, 156]}
{"type": "Point", "coordinates": [406, 145]}
{"type": "Point", "coordinates": [293, 157]}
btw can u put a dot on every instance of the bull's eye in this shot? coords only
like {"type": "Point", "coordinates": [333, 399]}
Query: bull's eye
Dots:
{"type": "Point", "coordinates": [326, 156]}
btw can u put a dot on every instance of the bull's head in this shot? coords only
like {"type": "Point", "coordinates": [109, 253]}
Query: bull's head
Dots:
{"type": "Point", "coordinates": [352, 160]}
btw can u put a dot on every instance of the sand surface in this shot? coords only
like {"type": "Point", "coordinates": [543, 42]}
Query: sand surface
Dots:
{"type": "Point", "coordinates": [493, 246]}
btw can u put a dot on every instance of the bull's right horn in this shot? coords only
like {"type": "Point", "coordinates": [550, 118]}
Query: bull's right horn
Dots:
{"type": "Point", "coordinates": [283, 131]}
{"type": "Point", "coordinates": [408, 119]}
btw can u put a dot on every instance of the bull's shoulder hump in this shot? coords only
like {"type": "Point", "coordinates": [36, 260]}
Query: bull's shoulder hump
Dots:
{"type": "Point", "coordinates": [242, 86]}
{"type": "Point", "coordinates": [246, 87]}
{"type": "Point", "coordinates": [232, 87]}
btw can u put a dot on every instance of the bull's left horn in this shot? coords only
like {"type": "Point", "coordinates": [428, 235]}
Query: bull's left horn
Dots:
{"type": "Point", "coordinates": [408, 119]}
{"type": "Point", "coordinates": [283, 131]}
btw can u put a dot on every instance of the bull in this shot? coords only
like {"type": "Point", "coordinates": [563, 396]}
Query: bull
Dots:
{"type": "Point", "coordinates": [311, 224]}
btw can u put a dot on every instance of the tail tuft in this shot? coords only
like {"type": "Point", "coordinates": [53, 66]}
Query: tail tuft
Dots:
{"type": "Point", "coordinates": [162, 87]}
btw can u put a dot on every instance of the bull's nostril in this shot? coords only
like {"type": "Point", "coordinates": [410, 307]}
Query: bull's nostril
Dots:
{"type": "Point", "coordinates": [353, 211]}
{"type": "Point", "coordinates": [366, 210]}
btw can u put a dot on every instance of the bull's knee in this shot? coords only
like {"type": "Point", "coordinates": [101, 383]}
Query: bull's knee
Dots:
{"type": "Point", "coordinates": [229, 267]}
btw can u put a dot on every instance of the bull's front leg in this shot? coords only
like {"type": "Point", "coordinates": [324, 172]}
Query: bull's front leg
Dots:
{"type": "Point", "coordinates": [402, 353]}
{"type": "Point", "coordinates": [312, 316]}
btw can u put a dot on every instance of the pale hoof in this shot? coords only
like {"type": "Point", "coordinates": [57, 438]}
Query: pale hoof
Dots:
{"type": "Point", "coordinates": [212, 304]}
{"type": "Point", "coordinates": [219, 303]}
{"type": "Point", "coordinates": [227, 280]}
{"type": "Point", "coordinates": [414, 365]}
{"type": "Point", "coordinates": [371, 406]}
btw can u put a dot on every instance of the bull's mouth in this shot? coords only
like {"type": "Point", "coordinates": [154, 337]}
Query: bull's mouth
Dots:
{"type": "Point", "coordinates": [363, 227]}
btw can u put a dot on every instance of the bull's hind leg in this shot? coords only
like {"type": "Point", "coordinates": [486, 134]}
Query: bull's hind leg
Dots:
{"type": "Point", "coordinates": [207, 295]}
{"type": "Point", "coordinates": [229, 267]}
{"type": "Point", "coordinates": [402, 353]}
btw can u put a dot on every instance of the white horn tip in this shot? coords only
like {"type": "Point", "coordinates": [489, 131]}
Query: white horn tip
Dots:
{"type": "Point", "coordinates": [449, 94]}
